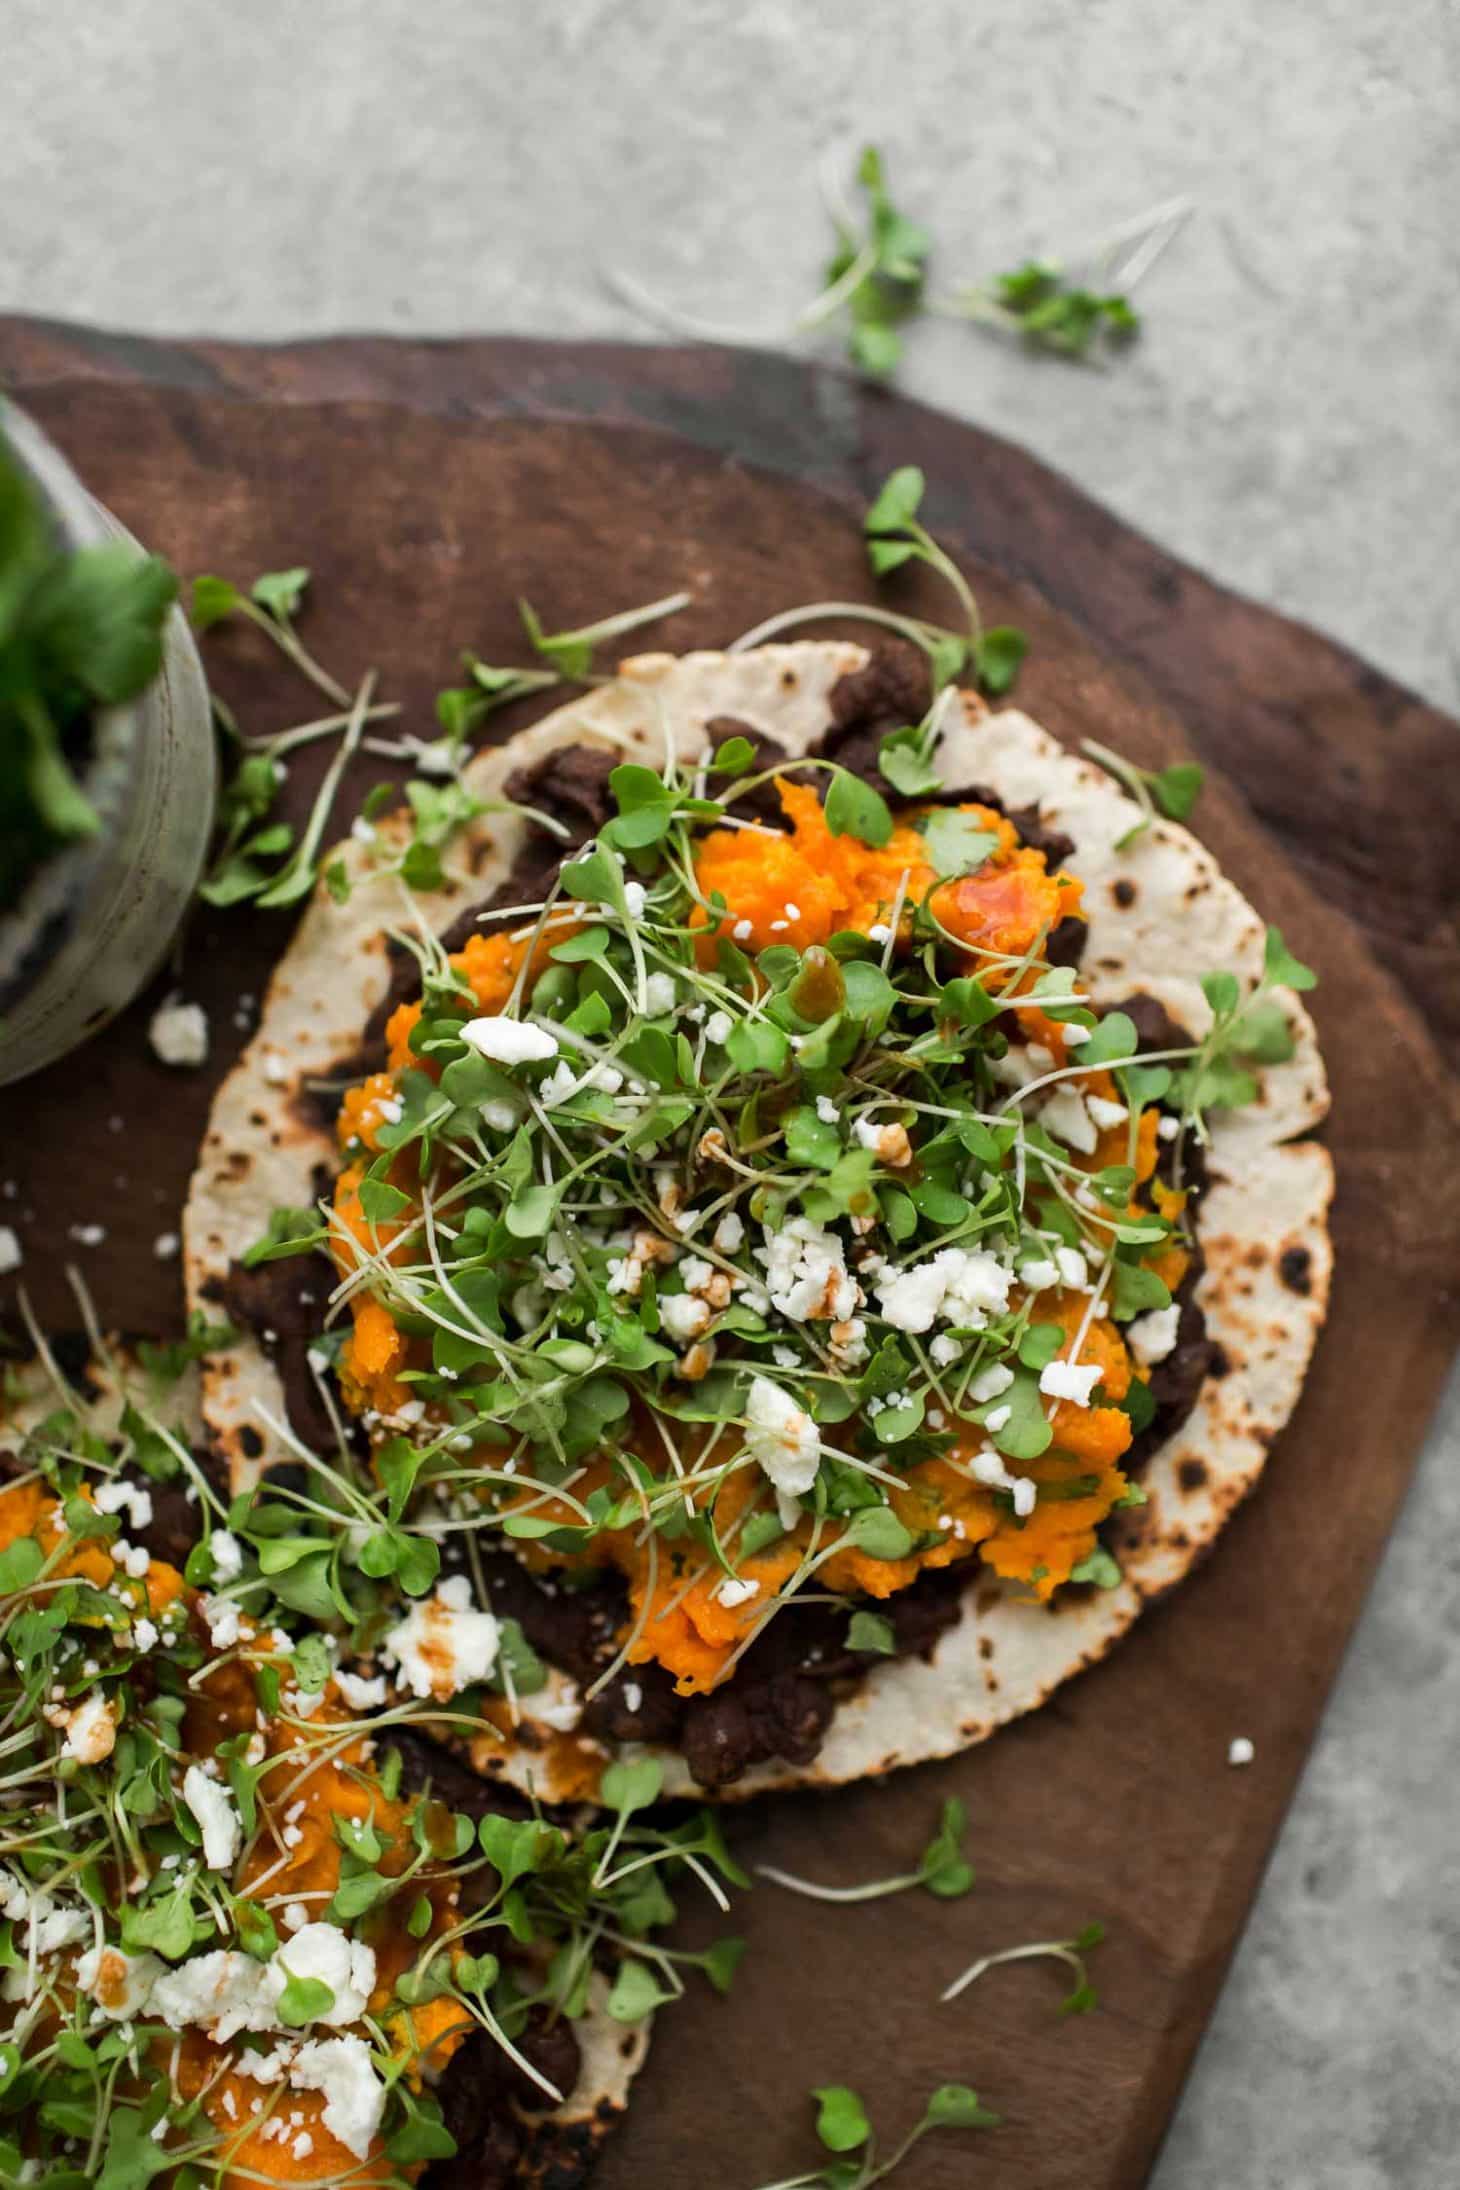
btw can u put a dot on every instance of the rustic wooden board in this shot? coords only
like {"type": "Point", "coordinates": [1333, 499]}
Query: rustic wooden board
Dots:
{"type": "Point", "coordinates": [428, 484]}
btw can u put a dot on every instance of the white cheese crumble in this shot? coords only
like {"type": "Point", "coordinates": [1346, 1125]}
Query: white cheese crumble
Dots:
{"type": "Point", "coordinates": [11, 1257]}
{"type": "Point", "coordinates": [806, 1273]}
{"type": "Point", "coordinates": [165, 1246]}
{"type": "Point", "coordinates": [358, 1692]}
{"type": "Point", "coordinates": [729, 1233]}
{"type": "Point", "coordinates": [178, 1033]}
{"type": "Point", "coordinates": [782, 1437]}
{"type": "Point", "coordinates": [960, 1285]}
{"type": "Point", "coordinates": [120, 1984]}
{"type": "Point", "coordinates": [444, 1644]}
{"type": "Point", "coordinates": [634, 898]}
{"type": "Point", "coordinates": [227, 1554]}
{"type": "Point", "coordinates": [1240, 1750]}
{"type": "Point", "coordinates": [659, 994]}
{"type": "Point", "coordinates": [322, 1954]}
{"type": "Point", "coordinates": [354, 2097]}
{"type": "Point", "coordinates": [1074, 1271]}
{"type": "Point", "coordinates": [737, 1590]}
{"type": "Point", "coordinates": [1065, 1116]}
{"type": "Point", "coordinates": [684, 1316]}
{"type": "Point", "coordinates": [1106, 1113]}
{"type": "Point", "coordinates": [91, 1731]}
{"type": "Point", "coordinates": [509, 1041]}
{"type": "Point", "coordinates": [1070, 1380]}
{"type": "Point", "coordinates": [120, 1496]}
{"type": "Point", "coordinates": [212, 1806]}
{"type": "Point", "coordinates": [1151, 1337]}
{"type": "Point", "coordinates": [989, 1383]}
{"type": "Point", "coordinates": [717, 1027]}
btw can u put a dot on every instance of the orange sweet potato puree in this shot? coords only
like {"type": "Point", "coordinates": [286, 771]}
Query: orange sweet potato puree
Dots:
{"type": "Point", "coordinates": [803, 886]}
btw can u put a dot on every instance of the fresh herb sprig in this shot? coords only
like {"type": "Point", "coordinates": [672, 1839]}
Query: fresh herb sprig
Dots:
{"type": "Point", "coordinates": [79, 630]}
{"type": "Point", "coordinates": [845, 2130]}
{"type": "Point", "coordinates": [1172, 791]}
{"type": "Point", "coordinates": [1081, 1999]}
{"type": "Point", "coordinates": [943, 1869]}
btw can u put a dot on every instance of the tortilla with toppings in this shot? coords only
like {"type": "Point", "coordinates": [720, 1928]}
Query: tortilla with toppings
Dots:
{"type": "Point", "coordinates": [819, 1269]}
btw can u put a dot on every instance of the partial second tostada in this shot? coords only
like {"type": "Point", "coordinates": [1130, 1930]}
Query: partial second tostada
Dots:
{"type": "Point", "coordinates": [810, 1227]}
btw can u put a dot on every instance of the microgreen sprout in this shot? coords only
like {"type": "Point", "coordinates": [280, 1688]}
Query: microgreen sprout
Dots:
{"type": "Point", "coordinates": [844, 2129]}
{"type": "Point", "coordinates": [942, 1869]}
{"type": "Point", "coordinates": [1173, 790]}
{"type": "Point", "coordinates": [1070, 1953]}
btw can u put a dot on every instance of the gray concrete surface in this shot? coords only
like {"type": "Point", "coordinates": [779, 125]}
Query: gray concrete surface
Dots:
{"type": "Point", "coordinates": [1292, 423]}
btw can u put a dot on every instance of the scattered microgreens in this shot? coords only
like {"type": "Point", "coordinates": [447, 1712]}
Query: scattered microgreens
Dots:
{"type": "Point", "coordinates": [508, 1920]}
{"type": "Point", "coordinates": [1247, 1029]}
{"type": "Point", "coordinates": [1036, 302]}
{"type": "Point", "coordinates": [270, 604]}
{"type": "Point", "coordinates": [942, 1869]}
{"type": "Point", "coordinates": [571, 652]}
{"type": "Point", "coordinates": [876, 283]}
{"type": "Point", "coordinates": [1069, 1952]}
{"type": "Point", "coordinates": [843, 2127]}
{"type": "Point", "coordinates": [593, 1245]}
{"type": "Point", "coordinates": [875, 276]}
{"type": "Point", "coordinates": [80, 629]}
{"type": "Point", "coordinates": [1173, 790]}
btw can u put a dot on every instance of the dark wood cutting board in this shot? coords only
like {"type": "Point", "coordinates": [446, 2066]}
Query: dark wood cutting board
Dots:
{"type": "Point", "coordinates": [429, 484]}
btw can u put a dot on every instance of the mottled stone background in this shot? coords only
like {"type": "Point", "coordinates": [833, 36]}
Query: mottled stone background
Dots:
{"type": "Point", "coordinates": [1291, 423]}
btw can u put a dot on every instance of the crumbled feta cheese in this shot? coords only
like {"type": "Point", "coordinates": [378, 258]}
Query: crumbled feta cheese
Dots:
{"type": "Point", "coordinates": [165, 1246]}
{"type": "Point", "coordinates": [358, 1692]}
{"type": "Point", "coordinates": [1024, 1493]}
{"type": "Point", "coordinates": [826, 1110]}
{"type": "Point", "coordinates": [633, 1695]}
{"type": "Point", "coordinates": [1240, 1750]}
{"type": "Point", "coordinates": [1076, 1036]}
{"type": "Point", "coordinates": [729, 1233]}
{"type": "Point", "coordinates": [444, 1644]}
{"type": "Point", "coordinates": [120, 1496]}
{"type": "Point", "coordinates": [1168, 1127]}
{"type": "Point", "coordinates": [145, 1635]}
{"type": "Point", "coordinates": [684, 1316]}
{"type": "Point", "coordinates": [944, 1350]}
{"type": "Point", "coordinates": [806, 1273]}
{"type": "Point", "coordinates": [1065, 1116]}
{"type": "Point", "coordinates": [323, 1954]}
{"type": "Point", "coordinates": [1074, 1271]}
{"type": "Point", "coordinates": [879, 932]}
{"type": "Point", "coordinates": [718, 1026]}
{"type": "Point", "coordinates": [782, 1437]}
{"type": "Point", "coordinates": [1039, 1275]}
{"type": "Point", "coordinates": [737, 1590]}
{"type": "Point", "coordinates": [212, 1806]}
{"type": "Point", "coordinates": [996, 1417]}
{"type": "Point", "coordinates": [11, 1257]}
{"type": "Point", "coordinates": [223, 1621]}
{"type": "Point", "coordinates": [989, 1383]}
{"type": "Point", "coordinates": [659, 994]}
{"type": "Point", "coordinates": [634, 898]}
{"type": "Point", "coordinates": [509, 1041]}
{"type": "Point", "coordinates": [1106, 1113]}
{"type": "Point", "coordinates": [227, 1555]}
{"type": "Point", "coordinates": [354, 2097]}
{"type": "Point", "coordinates": [1070, 1380]}
{"type": "Point", "coordinates": [1151, 1337]}
{"type": "Point", "coordinates": [742, 931]}
{"type": "Point", "coordinates": [962, 1286]}
{"type": "Point", "coordinates": [87, 1235]}
{"type": "Point", "coordinates": [178, 1033]}
{"type": "Point", "coordinates": [91, 1731]}
{"type": "Point", "coordinates": [120, 1984]}
{"type": "Point", "coordinates": [223, 1992]}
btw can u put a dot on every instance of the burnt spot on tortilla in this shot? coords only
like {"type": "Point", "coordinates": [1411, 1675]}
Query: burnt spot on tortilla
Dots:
{"type": "Point", "coordinates": [278, 1302]}
{"type": "Point", "coordinates": [1295, 1268]}
{"type": "Point", "coordinates": [1220, 1363]}
{"type": "Point", "coordinates": [250, 1440]}
{"type": "Point", "coordinates": [1123, 890]}
{"type": "Point", "coordinates": [1192, 1474]}
{"type": "Point", "coordinates": [1256, 1256]}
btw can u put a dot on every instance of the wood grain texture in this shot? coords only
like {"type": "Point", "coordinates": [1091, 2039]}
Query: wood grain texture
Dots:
{"type": "Point", "coordinates": [427, 484]}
